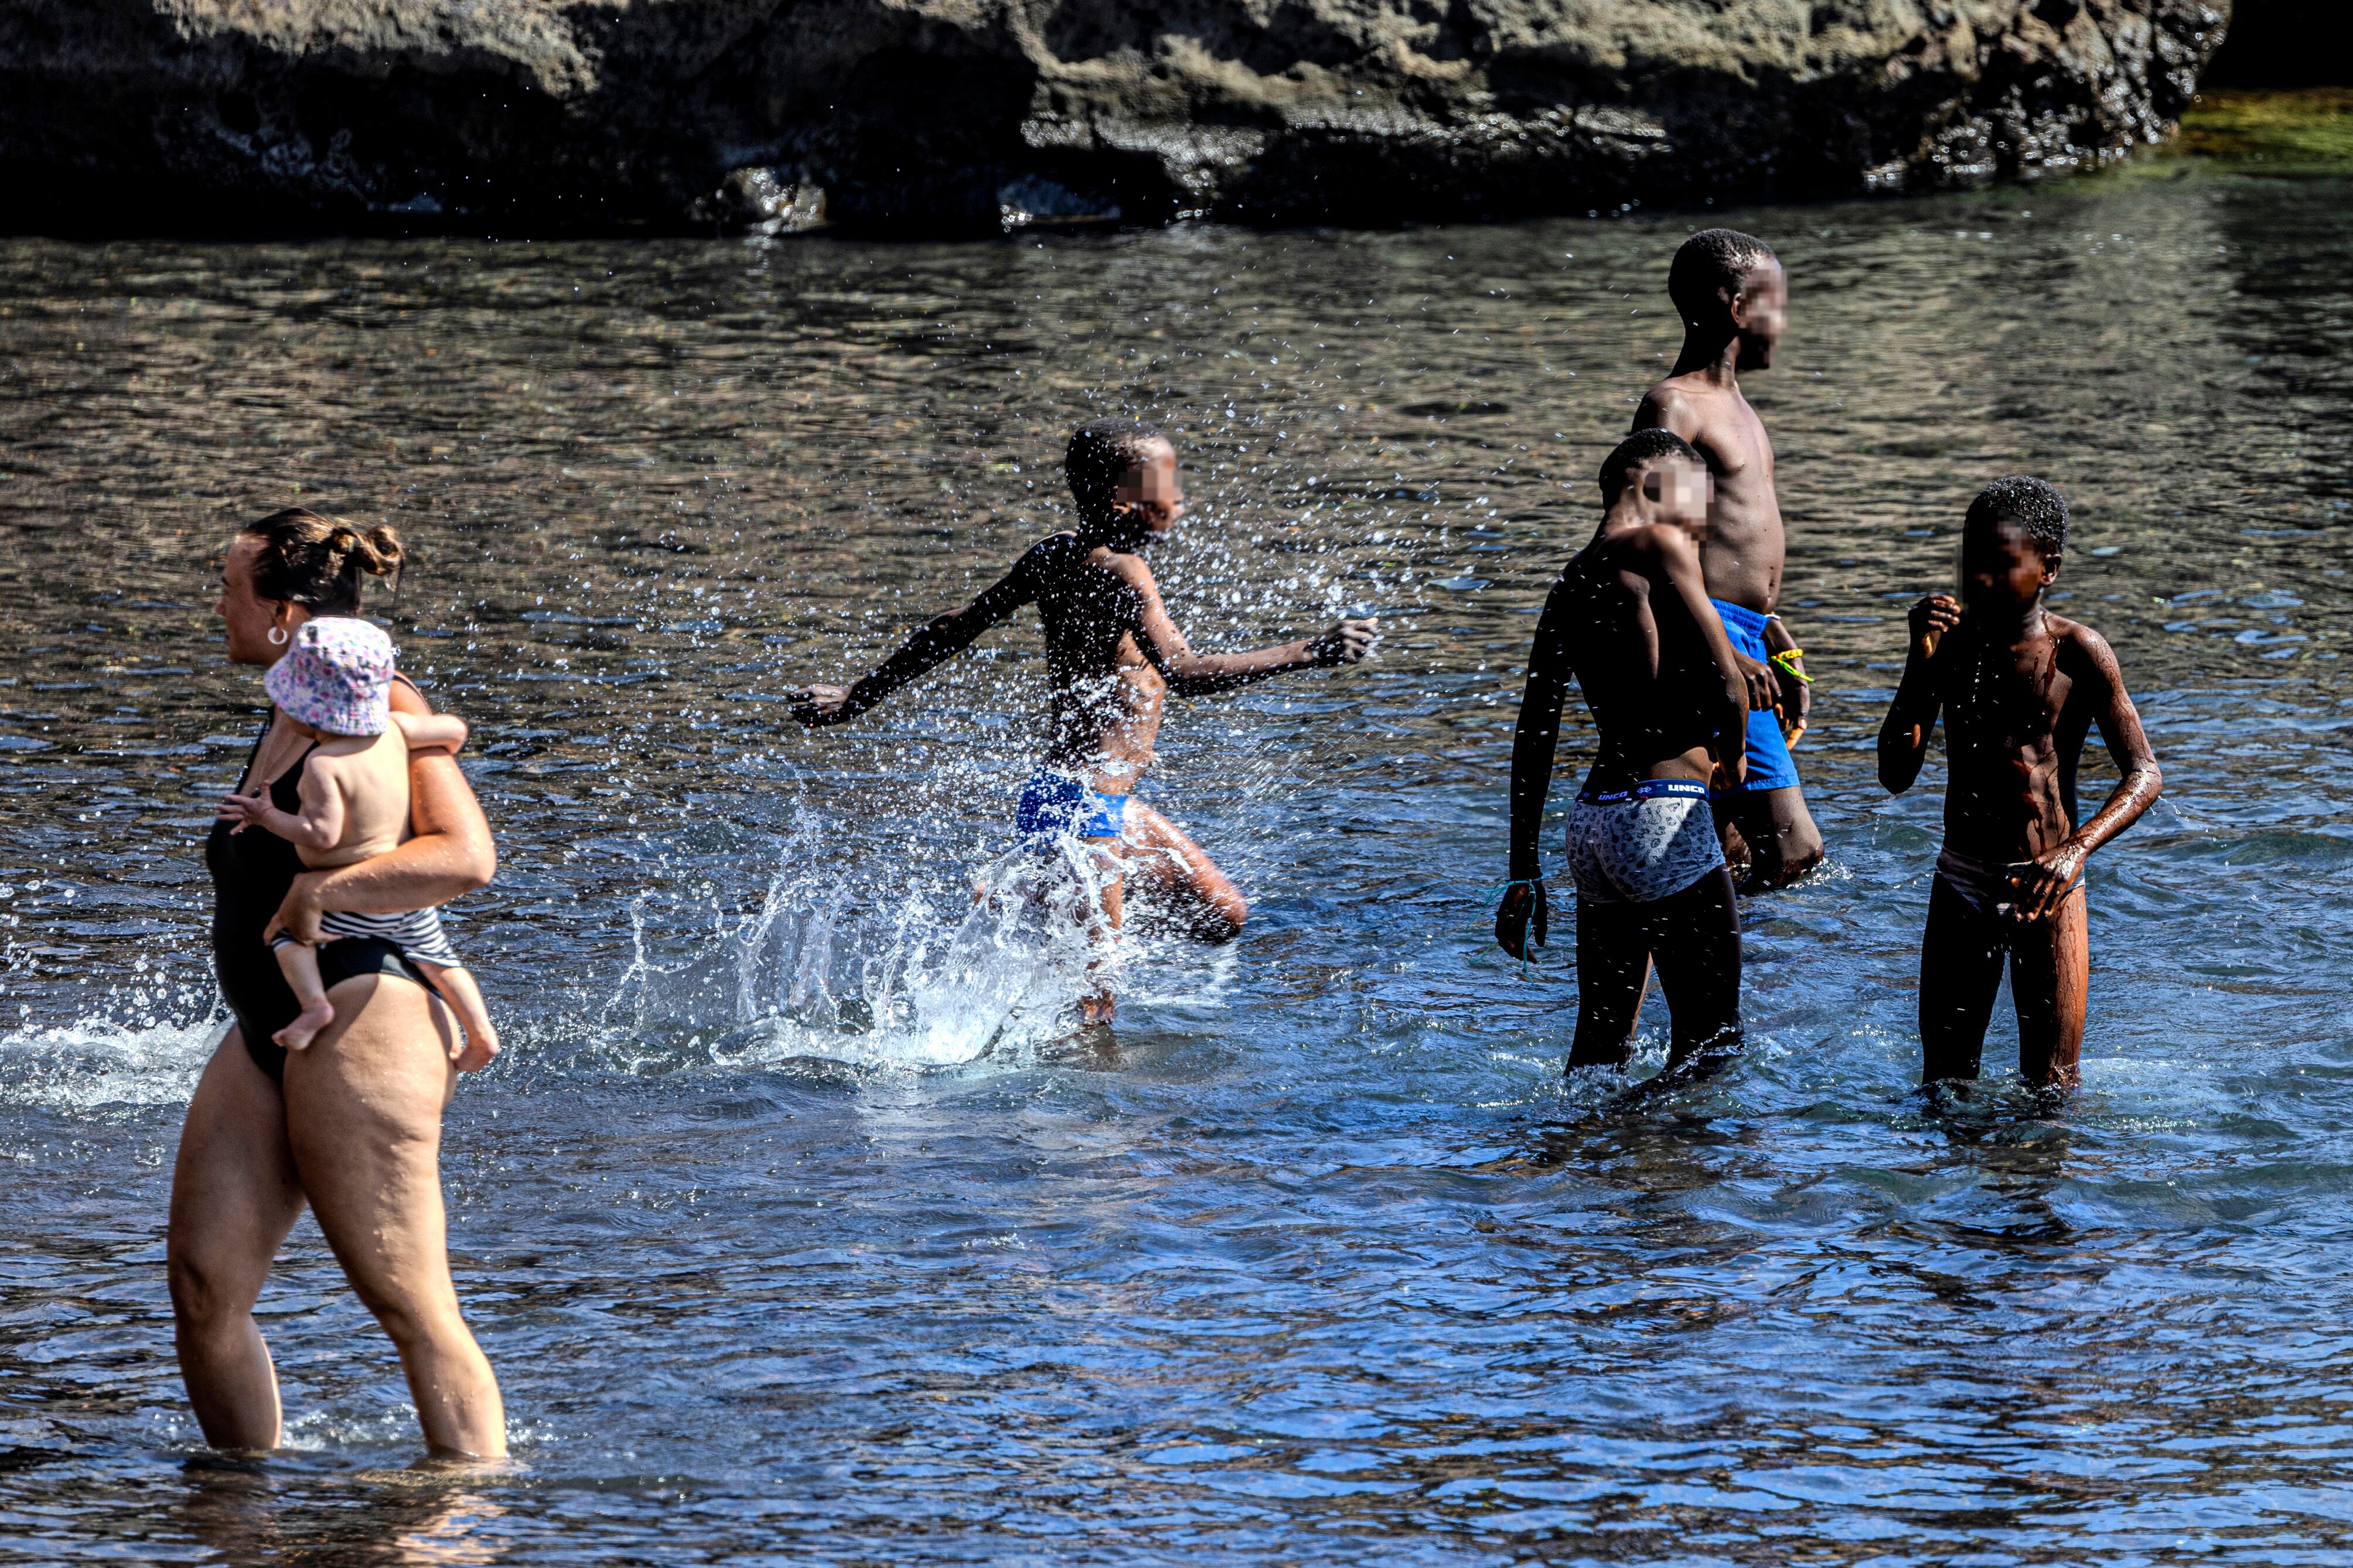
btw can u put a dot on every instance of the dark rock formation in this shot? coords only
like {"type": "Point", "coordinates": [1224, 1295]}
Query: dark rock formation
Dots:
{"type": "Point", "coordinates": [2287, 43]}
{"type": "Point", "coordinates": [969, 114]}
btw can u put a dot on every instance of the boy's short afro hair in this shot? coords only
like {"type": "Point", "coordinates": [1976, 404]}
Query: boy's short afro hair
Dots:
{"type": "Point", "coordinates": [1101, 453]}
{"type": "Point", "coordinates": [1635, 450]}
{"type": "Point", "coordinates": [1711, 260]}
{"type": "Point", "coordinates": [2039, 512]}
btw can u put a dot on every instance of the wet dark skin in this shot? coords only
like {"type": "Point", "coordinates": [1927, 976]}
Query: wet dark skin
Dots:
{"type": "Point", "coordinates": [1771, 831]}
{"type": "Point", "coordinates": [2020, 689]}
{"type": "Point", "coordinates": [1113, 653]}
{"type": "Point", "coordinates": [1630, 622]}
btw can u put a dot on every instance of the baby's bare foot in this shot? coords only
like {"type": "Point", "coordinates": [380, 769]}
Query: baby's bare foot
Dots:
{"type": "Point", "coordinates": [306, 1025]}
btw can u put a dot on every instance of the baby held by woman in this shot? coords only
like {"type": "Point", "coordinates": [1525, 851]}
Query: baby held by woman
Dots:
{"type": "Point", "coordinates": [334, 684]}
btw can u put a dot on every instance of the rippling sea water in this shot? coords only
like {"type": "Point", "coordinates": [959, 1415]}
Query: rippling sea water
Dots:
{"type": "Point", "coordinates": [792, 1233]}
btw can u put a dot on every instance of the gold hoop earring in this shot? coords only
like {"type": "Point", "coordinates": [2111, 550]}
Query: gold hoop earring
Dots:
{"type": "Point", "coordinates": [278, 636]}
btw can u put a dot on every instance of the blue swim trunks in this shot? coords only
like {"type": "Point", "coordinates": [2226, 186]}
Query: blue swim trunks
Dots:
{"type": "Point", "coordinates": [1769, 766]}
{"type": "Point", "coordinates": [1055, 804]}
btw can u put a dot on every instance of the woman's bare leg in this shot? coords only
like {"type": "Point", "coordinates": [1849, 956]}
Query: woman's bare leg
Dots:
{"type": "Point", "coordinates": [363, 1108]}
{"type": "Point", "coordinates": [1204, 903]}
{"type": "Point", "coordinates": [234, 1198]}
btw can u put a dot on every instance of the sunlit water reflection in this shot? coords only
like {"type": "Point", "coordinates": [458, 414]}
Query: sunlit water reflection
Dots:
{"type": "Point", "coordinates": [789, 1225]}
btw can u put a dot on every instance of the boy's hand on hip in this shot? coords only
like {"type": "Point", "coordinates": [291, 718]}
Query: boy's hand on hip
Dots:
{"type": "Point", "coordinates": [817, 706]}
{"type": "Point", "coordinates": [1796, 704]}
{"type": "Point", "coordinates": [1931, 619]}
{"type": "Point", "coordinates": [1764, 687]}
{"type": "Point", "coordinates": [1347, 642]}
{"type": "Point", "coordinates": [2044, 882]}
{"type": "Point", "coordinates": [1519, 900]}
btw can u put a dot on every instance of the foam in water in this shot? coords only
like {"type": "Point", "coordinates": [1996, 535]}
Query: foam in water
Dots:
{"type": "Point", "coordinates": [97, 1062]}
{"type": "Point", "coordinates": [824, 971]}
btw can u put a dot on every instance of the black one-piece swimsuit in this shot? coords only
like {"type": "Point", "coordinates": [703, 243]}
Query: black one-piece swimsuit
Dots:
{"type": "Point", "coordinates": [252, 871]}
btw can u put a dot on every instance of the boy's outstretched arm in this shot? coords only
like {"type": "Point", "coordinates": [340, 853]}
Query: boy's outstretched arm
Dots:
{"type": "Point", "coordinates": [1675, 566]}
{"type": "Point", "coordinates": [1191, 673]}
{"type": "Point", "coordinates": [2051, 876]}
{"type": "Point", "coordinates": [936, 642]}
{"type": "Point", "coordinates": [1534, 741]}
{"type": "Point", "coordinates": [1912, 717]}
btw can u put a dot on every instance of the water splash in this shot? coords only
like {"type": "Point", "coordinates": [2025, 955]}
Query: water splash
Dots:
{"type": "Point", "coordinates": [826, 969]}
{"type": "Point", "coordinates": [98, 1062]}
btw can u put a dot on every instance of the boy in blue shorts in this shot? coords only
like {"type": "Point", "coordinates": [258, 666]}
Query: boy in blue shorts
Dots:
{"type": "Point", "coordinates": [1112, 654]}
{"type": "Point", "coordinates": [1729, 289]}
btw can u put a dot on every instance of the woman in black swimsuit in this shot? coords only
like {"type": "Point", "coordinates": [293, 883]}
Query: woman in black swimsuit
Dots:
{"type": "Point", "coordinates": [352, 1126]}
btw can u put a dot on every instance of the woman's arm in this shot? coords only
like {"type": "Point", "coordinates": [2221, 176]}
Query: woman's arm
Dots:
{"type": "Point", "coordinates": [451, 854]}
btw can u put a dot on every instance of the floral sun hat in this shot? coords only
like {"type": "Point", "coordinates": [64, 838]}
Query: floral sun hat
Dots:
{"type": "Point", "coordinates": [336, 676]}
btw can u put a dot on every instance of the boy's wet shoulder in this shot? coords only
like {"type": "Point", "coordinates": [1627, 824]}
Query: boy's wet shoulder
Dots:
{"type": "Point", "coordinates": [2081, 637]}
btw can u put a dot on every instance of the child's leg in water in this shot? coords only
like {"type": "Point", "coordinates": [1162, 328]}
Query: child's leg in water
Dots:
{"type": "Point", "coordinates": [300, 964]}
{"type": "Point", "coordinates": [1613, 969]}
{"type": "Point", "coordinates": [1098, 1005]}
{"type": "Point", "coordinates": [1179, 878]}
{"type": "Point", "coordinates": [458, 988]}
{"type": "Point", "coordinates": [1694, 936]}
{"type": "Point", "coordinates": [1960, 971]}
{"type": "Point", "coordinates": [2050, 974]}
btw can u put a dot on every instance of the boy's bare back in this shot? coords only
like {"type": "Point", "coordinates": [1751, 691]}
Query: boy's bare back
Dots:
{"type": "Point", "coordinates": [369, 776]}
{"type": "Point", "coordinates": [1743, 555]}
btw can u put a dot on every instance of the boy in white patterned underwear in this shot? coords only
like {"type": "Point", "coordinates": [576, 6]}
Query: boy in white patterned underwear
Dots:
{"type": "Point", "coordinates": [333, 684]}
{"type": "Point", "coordinates": [1629, 620]}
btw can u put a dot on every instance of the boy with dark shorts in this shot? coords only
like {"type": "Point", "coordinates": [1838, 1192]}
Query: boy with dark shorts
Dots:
{"type": "Point", "coordinates": [1729, 289]}
{"type": "Point", "coordinates": [1113, 653]}
{"type": "Point", "coordinates": [1629, 619]}
{"type": "Point", "coordinates": [2020, 687]}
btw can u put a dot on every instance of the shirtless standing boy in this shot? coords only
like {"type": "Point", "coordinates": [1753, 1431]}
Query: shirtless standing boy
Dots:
{"type": "Point", "coordinates": [1630, 619]}
{"type": "Point", "coordinates": [2020, 688]}
{"type": "Point", "coordinates": [1729, 289]}
{"type": "Point", "coordinates": [1111, 654]}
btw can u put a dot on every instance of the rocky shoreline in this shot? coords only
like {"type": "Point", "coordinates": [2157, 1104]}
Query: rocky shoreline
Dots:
{"type": "Point", "coordinates": [978, 115]}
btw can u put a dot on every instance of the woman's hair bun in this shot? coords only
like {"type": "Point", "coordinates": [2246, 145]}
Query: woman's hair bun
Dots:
{"type": "Point", "coordinates": [315, 560]}
{"type": "Point", "coordinates": [379, 550]}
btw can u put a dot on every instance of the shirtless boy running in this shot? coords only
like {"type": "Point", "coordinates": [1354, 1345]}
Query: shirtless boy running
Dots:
{"type": "Point", "coordinates": [1631, 619]}
{"type": "Point", "coordinates": [1111, 655]}
{"type": "Point", "coordinates": [1729, 289]}
{"type": "Point", "coordinates": [2020, 688]}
